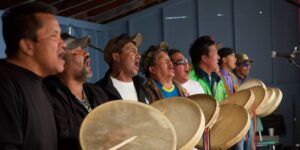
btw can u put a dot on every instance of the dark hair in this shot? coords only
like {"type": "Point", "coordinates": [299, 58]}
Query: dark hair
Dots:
{"type": "Point", "coordinates": [223, 52]}
{"type": "Point", "coordinates": [173, 51]}
{"type": "Point", "coordinates": [200, 47]}
{"type": "Point", "coordinates": [20, 22]}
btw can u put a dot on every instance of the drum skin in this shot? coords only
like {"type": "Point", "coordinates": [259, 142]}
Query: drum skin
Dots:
{"type": "Point", "coordinates": [187, 118]}
{"type": "Point", "coordinates": [244, 98]}
{"type": "Point", "coordinates": [209, 106]}
{"type": "Point", "coordinates": [231, 126]}
{"type": "Point", "coordinates": [251, 83]}
{"type": "Point", "coordinates": [114, 122]}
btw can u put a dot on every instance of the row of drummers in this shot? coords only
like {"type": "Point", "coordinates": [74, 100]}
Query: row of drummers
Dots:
{"type": "Point", "coordinates": [178, 122]}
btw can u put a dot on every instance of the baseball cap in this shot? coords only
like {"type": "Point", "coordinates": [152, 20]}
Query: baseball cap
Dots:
{"type": "Point", "coordinates": [117, 43]}
{"type": "Point", "coordinates": [73, 42]}
{"type": "Point", "coordinates": [148, 58]}
{"type": "Point", "coordinates": [241, 58]}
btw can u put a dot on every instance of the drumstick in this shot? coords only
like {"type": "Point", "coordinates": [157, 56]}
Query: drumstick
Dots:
{"type": "Point", "coordinates": [123, 143]}
{"type": "Point", "coordinates": [164, 111]}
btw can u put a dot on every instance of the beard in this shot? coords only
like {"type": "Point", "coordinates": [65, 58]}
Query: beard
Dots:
{"type": "Point", "coordinates": [86, 74]}
{"type": "Point", "coordinates": [83, 75]}
{"type": "Point", "coordinates": [133, 73]}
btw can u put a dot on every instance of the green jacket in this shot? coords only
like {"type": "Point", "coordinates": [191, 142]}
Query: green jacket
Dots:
{"type": "Point", "coordinates": [213, 87]}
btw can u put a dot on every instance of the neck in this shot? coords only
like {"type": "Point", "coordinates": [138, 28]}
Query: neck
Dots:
{"type": "Point", "coordinates": [181, 81]}
{"type": "Point", "coordinates": [121, 75]}
{"type": "Point", "coordinates": [167, 83]}
{"type": "Point", "coordinates": [226, 68]}
{"type": "Point", "coordinates": [241, 76]}
{"type": "Point", "coordinates": [75, 86]}
{"type": "Point", "coordinates": [205, 69]}
{"type": "Point", "coordinates": [27, 64]}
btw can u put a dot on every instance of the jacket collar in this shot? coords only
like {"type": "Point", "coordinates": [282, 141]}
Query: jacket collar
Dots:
{"type": "Point", "coordinates": [202, 74]}
{"type": "Point", "coordinates": [108, 85]}
{"type": "Point", "coordinates": [137, 81]}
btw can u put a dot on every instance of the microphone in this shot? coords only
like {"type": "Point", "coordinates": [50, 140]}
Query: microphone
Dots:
{"type": "Point", "coordinates": [70, 29]}
{"type": "Point", "coordinates": [283, 55]}
{"type": "Point", "coordinates": [290, 56]}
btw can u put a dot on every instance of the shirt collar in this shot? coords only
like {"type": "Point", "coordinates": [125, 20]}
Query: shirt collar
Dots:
{"type": "Point", "coordinates": [224, 72]}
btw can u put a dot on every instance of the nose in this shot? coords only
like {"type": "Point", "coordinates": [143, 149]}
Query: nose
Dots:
{"type": "Point", "coordinates": [138, 55]}
{"type": "Point", "coordinates": [62, 43]}
{"type": "Point", "coordinates": [170, 62]}
{"type": "Point", "coordinates": [86, 53]}
{"type": "Point", "coordinates": [187, 66]}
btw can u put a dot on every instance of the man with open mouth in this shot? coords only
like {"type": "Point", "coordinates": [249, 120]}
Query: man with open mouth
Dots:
{"type": "Point", "coordinates": [159, 71]}
{"type": "Point", "coordinates": [121, 81]}
{"type": "Point", "coordinates": [73, 98]}
{"type": "Point", "coordinates": [34, 50]}
{"type": "Point", "coordinates": [181, 71]}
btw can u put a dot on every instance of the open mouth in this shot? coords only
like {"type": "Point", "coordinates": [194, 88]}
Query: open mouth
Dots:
{"type": "Point", "coordinates": [187, 71]}
{"type": "Point", "coordinates": [87, 61]}
{"type": "Point", "coordinates": [137, 64]}
{"type": "Point", "coordinates": [61, 55]}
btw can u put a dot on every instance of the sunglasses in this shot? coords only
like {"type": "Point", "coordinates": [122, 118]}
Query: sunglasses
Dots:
{"type": "Point", "coordinates": [244, 64]}
{"type": "Point", "coordinates": [181, 62]}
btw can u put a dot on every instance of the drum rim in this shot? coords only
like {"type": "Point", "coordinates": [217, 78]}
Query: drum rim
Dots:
{"type": "Point", "coordinates": [275, 103]}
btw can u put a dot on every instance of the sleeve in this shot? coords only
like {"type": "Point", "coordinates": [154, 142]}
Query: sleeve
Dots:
{"type": "Point", "coordinates": [11, 115]}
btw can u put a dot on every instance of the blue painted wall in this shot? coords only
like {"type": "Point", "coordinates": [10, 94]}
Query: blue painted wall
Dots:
{"type": "Point", "coordinates": [255, 27]}
{"type": "Point", "coordinates": [99, 34]}
{"type": "Point", "coordinates": [2, 45]}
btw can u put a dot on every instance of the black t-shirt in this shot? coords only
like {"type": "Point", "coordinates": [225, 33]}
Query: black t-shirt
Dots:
{"type": "Point", "coordinates": [26, 116]}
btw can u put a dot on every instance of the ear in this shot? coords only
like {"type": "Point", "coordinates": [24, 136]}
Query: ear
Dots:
{"type": "Point", "coordinates": [224, 59]}
{"type": "Point", "coordinates": [152, 70]}
{"type": "Point", "coordinates": [204, 58]}
{"type": "Point", "coordinates": [116, 57]}
{"type": "Point", "coordinates": [26, 47]}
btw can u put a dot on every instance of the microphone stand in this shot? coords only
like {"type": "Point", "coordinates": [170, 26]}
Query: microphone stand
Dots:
{"type": "Point", "coordinates": [295, 64]}
{"type": "Point", "coordinates": [293, 54]}
{"type": "Point", "coordinates": [96, 48]}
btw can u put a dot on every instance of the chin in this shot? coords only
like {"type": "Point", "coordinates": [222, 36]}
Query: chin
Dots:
{"type": "Point", "coordinates": [133, 74]}
{"type": "Point", "coordinates": [89, 75]}
{"type": "Point", "coordinates": [172, 75]}
{"type": "Point", "coordinates": [60, 69]}
{"type": "Point", "coordinates": [60, 66]}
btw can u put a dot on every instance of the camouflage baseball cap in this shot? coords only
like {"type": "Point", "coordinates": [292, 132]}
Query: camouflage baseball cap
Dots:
{"type": "Point", "coordinates": [148, 58]}
{"type": "Point", "coordinates": [73, 42]}
{"type": "Point", "coordinates": [241, 58]}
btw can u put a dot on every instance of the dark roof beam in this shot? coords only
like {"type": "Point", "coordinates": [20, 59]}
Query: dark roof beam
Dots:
{"type": "Point", "coordinates": [55, 2]}
{"type": "Point", "coordinates": [112, 13]}
{"type": "Point", "coordinates": [91, 8]}
{"type": "Point", "coordinates": [73, 6]}
{"type": "Point", "coordinates": [120, 12]}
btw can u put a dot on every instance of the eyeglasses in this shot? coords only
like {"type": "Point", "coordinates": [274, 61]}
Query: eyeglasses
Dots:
{"type": "Point", "coordinates": [181, 62]}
